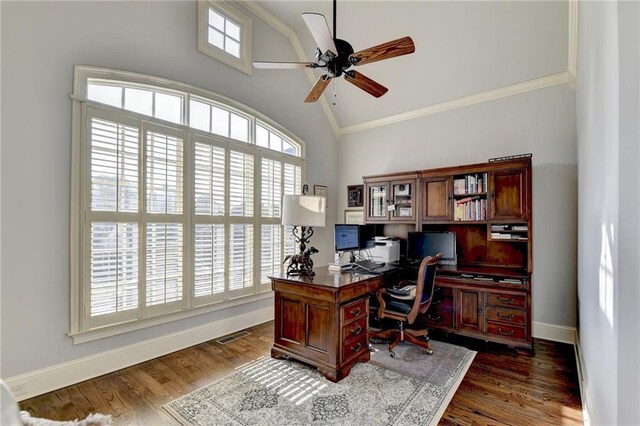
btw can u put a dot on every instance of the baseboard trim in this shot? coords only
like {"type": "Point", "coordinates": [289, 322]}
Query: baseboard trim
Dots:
{"type": "Point", "coordinates": [586, 417]}
{"type": "Point", "coordinates": [553, 332]}
{"type": "Point", "coordinates": [28, 385]}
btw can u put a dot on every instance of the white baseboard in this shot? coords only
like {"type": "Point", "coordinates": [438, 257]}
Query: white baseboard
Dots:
{"type": "Point", "coordinates": [582, 382]}
{"type": "Point", "coordinates": [28, 385]}
{"type": "Point", "coordinates": [556, 333]}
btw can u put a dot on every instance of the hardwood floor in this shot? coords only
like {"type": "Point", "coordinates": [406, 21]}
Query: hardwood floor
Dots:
{"type": "Point", "coordinates": [501, 387]}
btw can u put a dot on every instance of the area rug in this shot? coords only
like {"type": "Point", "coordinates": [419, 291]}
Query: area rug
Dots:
{"type": "Point", "coordinates": [284, 392]}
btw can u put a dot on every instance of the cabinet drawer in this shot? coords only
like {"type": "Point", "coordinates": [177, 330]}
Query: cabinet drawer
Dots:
{"type": "Point", "coordinates": [504, 330]}
{"type": "Point", "coordinates": [514, 316]}
{"type": "Point", "coordinates": [354, 347]}
{"type": "Point", "coordinates": [442, 302]}
{"type": "Point", "coordinates": [353, 310]}
{"type": "Point", "coordinates": [442, 292]}
{"type": "Point", "coordinates": [439, 318]}
{"type": "Point", "coordinates": [510, 300]}
{"type": "Point", "coordinates": [354, 329]}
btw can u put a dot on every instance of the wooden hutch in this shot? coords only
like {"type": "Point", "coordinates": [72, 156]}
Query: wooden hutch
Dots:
{"type": "Point", "coordinates": [487, 295]}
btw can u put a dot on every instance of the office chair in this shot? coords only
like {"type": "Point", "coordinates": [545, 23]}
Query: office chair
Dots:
{"type": "Point", "coordinates": [405, 303]}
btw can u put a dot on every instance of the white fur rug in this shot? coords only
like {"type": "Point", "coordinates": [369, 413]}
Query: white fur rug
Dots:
{"type": "Point", "coordinates": [95, 419]}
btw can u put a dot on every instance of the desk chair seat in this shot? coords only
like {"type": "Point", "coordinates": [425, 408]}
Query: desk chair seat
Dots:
{"type": "Point", "coordinates": [405, 303]}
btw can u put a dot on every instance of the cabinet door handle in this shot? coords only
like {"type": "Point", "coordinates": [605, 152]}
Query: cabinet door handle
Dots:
{"type": "Point", "coordinates": [506, 300]}
{"type": "Point", "coordinates": [436, 302]}
{"type": "Point", "coordinates": [356, 331]}
{"type": "Point", "coordinates": [355, 312]}
{"type": "Point", "coordinates": [438, 318]}
{"type": "Point", "coordinates": [479, 310]}
{"type": "Point", "coordinates": [356, 348]}
{"type": "Point", "coordinates": [505, 317]}
{"type": "Point", "coordinates": [505, 333]}
{"type": "Point", "coordinates": [437, 289]}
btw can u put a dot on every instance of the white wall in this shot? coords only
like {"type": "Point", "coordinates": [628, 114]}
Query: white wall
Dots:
{"type": "Point", "coordinates": [541, 122]}
{"type": "Point", "coordinates": [608, 105]}
{"type": "Point", "coordinates": [42, 41]}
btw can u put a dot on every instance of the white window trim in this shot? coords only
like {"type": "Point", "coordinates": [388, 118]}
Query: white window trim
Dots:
{"type": "Point", "coordinates": [244, 62]}
{"type": "Point", "coordinates": [80, 330]}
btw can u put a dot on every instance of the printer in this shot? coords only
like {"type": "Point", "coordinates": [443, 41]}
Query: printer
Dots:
{"type": "Point", "coordinates": [385, 249]}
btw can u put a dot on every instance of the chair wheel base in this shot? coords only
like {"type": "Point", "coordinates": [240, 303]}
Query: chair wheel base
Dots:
{"type": "Point", "coordinates": [392, 354]}
{"type": "Point", "coordinates": [429, 351]}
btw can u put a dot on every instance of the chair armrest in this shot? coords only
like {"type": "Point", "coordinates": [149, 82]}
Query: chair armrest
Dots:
{"type": "Point", "coordinates": [381, 301]}
{"type": "Point", "coordinates": [405, 283]}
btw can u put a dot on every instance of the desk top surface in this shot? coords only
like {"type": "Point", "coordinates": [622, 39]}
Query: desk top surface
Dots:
{"type": "Point", "coordinates": [326, 278]}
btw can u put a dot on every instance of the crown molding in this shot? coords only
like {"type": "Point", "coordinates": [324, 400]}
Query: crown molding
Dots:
{"type": "Point", "coordinates": [489, 95]}
{"type": "Point", "coordinates": [572, 61]}
{"type": "Point", "coordinates": [283, 28]}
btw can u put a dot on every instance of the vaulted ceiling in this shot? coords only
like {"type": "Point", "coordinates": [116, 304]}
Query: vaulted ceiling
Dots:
{"type": "Point", "coordinates": [462, 49]}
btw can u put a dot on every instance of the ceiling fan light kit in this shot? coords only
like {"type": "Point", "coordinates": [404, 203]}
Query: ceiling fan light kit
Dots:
{"type": "Point", "coordinates": [337, 56]}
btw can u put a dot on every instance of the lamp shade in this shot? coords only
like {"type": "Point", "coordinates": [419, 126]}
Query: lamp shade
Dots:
{"type": "Point", "coordinates": [304, 210]}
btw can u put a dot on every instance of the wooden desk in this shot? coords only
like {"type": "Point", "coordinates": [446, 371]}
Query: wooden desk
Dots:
{"type": "Point", "coordinates": [323, 320]}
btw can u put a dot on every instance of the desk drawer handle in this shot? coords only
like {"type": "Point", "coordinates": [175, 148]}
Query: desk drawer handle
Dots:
{"type": "Point", "coordinates": [438, 318]}
{"type": "Point", "coordinates": [505, 333]}
{"type": "Point", "coordinates": [505, 317]}
{"type": "Point", "coordinates": [355, 312]}
{"type": "Point", "coordinates": [506, 300]}
{"type": "Point", "coordinates": [356, 331]}
{"type": "Point", "coordinates": [356, 348]}
{"type": "Point", "coordinates": [436, 302]}
{"type": "Point", "coordinates": [437, 289]}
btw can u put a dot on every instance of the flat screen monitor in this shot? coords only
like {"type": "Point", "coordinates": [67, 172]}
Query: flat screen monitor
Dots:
{"type": "Point", "coordinates": [346, 237]}
{"type": "Point", "coordinates": [366, 237]}
{"type": "Point", "coordinates": [423, 244]}
{"type": "Point", "coordinates": [354, 237]}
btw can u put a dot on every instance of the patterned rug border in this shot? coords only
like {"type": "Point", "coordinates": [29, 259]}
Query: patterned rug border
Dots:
{"type": "Point", "coordinates": [443, 403]}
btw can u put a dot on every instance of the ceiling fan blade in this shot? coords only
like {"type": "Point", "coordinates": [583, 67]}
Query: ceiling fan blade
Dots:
{"type": "Point", "coordinates": [365, 83]}
{"type": "Point", "coordinates": [284, 65]}
{"type": "Point", "coordinates": [318, 88]}
{"type": "Point", "coordinates": [320, 31]}
{"type": "Point", "coordinates": [390, 49]}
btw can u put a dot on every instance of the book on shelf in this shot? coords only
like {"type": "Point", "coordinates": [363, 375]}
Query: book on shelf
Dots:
{"type": "Point", "coordinates": [470, 184]}
{"type": "Point", "coordinates": [511, 280]}
{"type": "Point", "coordinates": [470, 208]}
{"type": "Point", "coordinates": [520, 227]}
{"type": "Point", "coordinates": [499, 227]}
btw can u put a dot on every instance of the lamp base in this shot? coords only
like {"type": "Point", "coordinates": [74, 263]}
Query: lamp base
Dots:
{"type": "Point", "coordinates": [301, 263]}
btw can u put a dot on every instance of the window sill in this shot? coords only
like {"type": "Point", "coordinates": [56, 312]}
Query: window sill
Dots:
{"type": "Point", "coordinates": [113, 330]}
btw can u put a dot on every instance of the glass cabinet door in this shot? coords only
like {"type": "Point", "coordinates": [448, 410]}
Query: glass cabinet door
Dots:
{"type": "Point", "coordinates": [377, 202]}
{"type": "Point", "coordinates": [402, 199]}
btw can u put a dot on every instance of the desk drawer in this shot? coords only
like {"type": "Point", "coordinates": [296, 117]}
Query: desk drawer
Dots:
{"type": "Point", "coordinates": [505, 299]}
{"type": "Point", "coordinates": [353, 310]}
{"type": "Point", "coordinates": [513, 316]}
{"type": "Point", "coordinates": [355, 347]}
{"type": "Point", "coordinates": [504, 330]}
{"type": "Point", "coordinates": [442, 302]}
{"type": "Point", "coordinates": [354, 329]}
{"type": "Point", "coordinates": [438, 318]}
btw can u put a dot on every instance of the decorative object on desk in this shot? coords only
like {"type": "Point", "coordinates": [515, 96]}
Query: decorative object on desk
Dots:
{"type": "Point", "coordinates": [370, 395]}
{"type": "Point", "coordinates": [354, 195]}
{"type": "Point", "coordinates": [303, 212]}
{"type": "Point", "coordinates": [354, 217]}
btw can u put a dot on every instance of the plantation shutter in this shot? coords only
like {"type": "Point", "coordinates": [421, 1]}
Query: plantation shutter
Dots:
{"type": "Point", "coordinates": [241, 232]}
{"type": "Point", "coordinates": [164, 229]}
{"type": "Point", "coordinates": [209, 229]}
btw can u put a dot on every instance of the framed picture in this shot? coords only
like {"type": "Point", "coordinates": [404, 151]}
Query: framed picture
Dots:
{"type": "Point", "coordinates": [354, 195]}
{"type": "Point", "coordinates": [355, 217]}
{"type": "Point", "coordinates": [321, 190]}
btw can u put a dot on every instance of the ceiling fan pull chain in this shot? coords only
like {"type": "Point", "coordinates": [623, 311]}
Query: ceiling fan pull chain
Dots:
{"type": "Point", "coordinates": [335, 93]}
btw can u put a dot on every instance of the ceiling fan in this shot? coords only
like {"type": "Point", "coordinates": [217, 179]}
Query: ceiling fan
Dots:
{"type": "Point", "coordinates": [337, 56]}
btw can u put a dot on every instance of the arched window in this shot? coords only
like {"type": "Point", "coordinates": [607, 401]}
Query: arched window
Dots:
{"type": "Point", "coordinates": [176, 197]}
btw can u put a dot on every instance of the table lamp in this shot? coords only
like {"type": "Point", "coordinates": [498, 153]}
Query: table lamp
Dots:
{"type": "Point", "coordinates": [303, 212]}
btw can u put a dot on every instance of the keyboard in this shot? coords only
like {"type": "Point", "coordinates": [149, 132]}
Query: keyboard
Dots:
{"type": "Point", "coordinates": [368, 265]}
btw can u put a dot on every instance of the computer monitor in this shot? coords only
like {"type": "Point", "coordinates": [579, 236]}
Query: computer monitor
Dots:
{"type": "Point", "coordinates": [366, 236]}
{"type": "Point", "coordinates": [423, 244]}
{"type": "Point", "coordinates": [346, 237]}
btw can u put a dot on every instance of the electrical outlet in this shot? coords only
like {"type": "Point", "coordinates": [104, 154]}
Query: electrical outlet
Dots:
{"type": "Point", "coordinates": [19, 389]}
